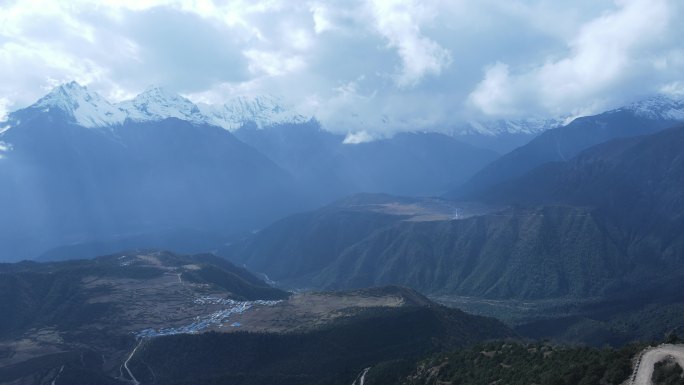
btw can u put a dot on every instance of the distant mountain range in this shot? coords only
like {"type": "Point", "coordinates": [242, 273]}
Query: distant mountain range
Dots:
{"type": "Point", "coordinates": [514, 253]}
{"type": "Point", "coordinates": [564, 142]}
{"type": "Point", "coordinates": [83, 176]}
{"type": "Point", "coordinates": [88, 109]}
{"type": "Point", "coordinates": [503, 135]}
{"type": "Point", "coordinates": [531, 126]}
{"type": "Point", "coordinates": [605, 223]}
{"type": "Point", "coordinates": [65, 184]}
{"type": "Point", "coordinates": [406, 164]}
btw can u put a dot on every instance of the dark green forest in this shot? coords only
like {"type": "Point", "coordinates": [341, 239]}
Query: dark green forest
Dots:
{"type": "Point", "coordinates": [516, 363]}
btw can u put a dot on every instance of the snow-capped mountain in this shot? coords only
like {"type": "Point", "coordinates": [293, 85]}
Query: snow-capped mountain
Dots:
{"type": "Point", "coordinates": [76, 169]}
{"type": "Point", "coordinates": [660, 107]}
{"type": "Point", "coordinates": [156, 103]}
{"type": "Point", "coordinates": [531, 126]}
{"type": "Point", "coordinates": [88, 109]}
{"type": "Point", "coordinates": [91, 110]}
{"type": "Point", "coordinates": [263, 111]}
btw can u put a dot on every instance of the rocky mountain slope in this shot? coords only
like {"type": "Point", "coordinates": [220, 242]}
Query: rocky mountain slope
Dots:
{"type": "Point", "coordinates": [66, 184]}
{"type": "Point", "coordinates": [83, 176]}
{"type": "Point", "coordinates": [154, 317]}
{"type": "Point", "coordinates": [564, 142]}
{"type": "Point", "coordinates": [405, 164]}
{"type": "Point", "coordinates": [608, 221]}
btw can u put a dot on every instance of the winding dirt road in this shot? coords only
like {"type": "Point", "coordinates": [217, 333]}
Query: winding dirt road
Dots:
{"type": "Point", "coordinates": [125, 365]}
{"type": "Point", "coordinates": [644, 369]}
{"type": "Point", "coordinates": [361, 378]}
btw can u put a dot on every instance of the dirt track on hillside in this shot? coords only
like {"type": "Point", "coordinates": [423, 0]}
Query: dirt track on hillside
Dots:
{"type": "Point", "coordinates": [644, 371]}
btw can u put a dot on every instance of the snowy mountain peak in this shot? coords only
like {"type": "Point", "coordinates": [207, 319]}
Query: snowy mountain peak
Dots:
{"type": "Point", "coordinates": [530, 126]}
{"type": "Point", "coordinates": [263, 111]}
{"type": "Point", "coordinates": [161, 95]}
{"type": "Point", "coordinates": [87, 108]}
{"type": "Point", "coordinates": [157, 103]}
{"type": "Point", "coordinates": [659, 107]}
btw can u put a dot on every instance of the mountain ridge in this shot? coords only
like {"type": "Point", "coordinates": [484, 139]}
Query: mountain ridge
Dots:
{"type": "Point", "coordinates": [564, 142]}
{"type": "Point", "coordinates": [165, 318]}
{"type": "Point", "coordinates": [91, 110]}
{"type": "Point", "coordinates": [607, 222]}
{"type": "Point", "coordinates": [65, 184]}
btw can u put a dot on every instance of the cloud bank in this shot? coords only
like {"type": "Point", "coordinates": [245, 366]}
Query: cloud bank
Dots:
{"type": "Point", "coordinates": [372, 66]}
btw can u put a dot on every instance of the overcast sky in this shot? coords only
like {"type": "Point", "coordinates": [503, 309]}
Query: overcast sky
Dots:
{"type": "Point", "coordinates": [380, 64]}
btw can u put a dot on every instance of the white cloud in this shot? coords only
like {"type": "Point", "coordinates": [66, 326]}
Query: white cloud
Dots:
{"type": "Point", "coordinates": [494, 95]}
{"type": "Point", "coordinates": [358, 137]}
{"type": "Point", "coordinates": [400, 23]}
{"type": "Point", "coordinates": [605, 49]}
{"type": "Point", "coordinates": [348, 108]}
{"type": "Point", "coordinates": [273, 63]}
{"type": "Point", "coordinates": [321, 17]}
{"type": "Point", "coordinates": [675, 88]}
{"type": "Point", "coordinates": [4, 110]}
{"type": "Point", "coordinates": [4, 148]}
{"type": "Point", "coordinates": [606, 54]}
{"type": "Point", "coordinates": [375, 65]}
